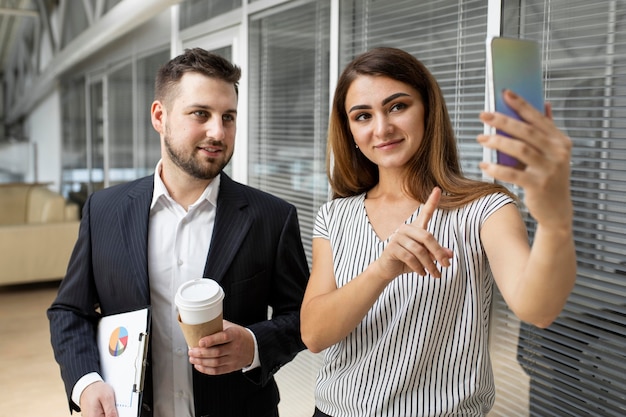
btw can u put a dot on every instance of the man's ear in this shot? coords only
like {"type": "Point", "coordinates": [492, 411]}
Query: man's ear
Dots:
{"type": "Point", "coordinates": [157, 115]}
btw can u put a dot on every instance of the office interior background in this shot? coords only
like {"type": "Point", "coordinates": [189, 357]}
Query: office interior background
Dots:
{"type": "Point", "coordinates": [77, 83]}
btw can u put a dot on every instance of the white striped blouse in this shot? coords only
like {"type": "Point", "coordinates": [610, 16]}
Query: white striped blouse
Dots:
{"type": "Point", "coordinates": [421, 350]}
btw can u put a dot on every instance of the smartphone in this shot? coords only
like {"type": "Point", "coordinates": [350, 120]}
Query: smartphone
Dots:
{"type": "Point", "coordinates": [513, 64]}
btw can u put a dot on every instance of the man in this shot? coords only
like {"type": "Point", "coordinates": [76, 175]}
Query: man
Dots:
{"type": "Point", "coordinates": [140, 240]}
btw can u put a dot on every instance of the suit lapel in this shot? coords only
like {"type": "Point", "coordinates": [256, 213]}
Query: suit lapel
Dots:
{"type": "Point", "coordinates": [133, 214]}
{"type": "Point", "coordinates": [232, 222]}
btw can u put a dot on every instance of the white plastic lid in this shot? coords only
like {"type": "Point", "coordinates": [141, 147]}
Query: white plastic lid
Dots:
{"type": "Point", "coordinates": [199, 294]}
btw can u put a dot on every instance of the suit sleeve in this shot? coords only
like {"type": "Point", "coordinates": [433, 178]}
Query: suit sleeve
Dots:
{"type": "Point", "coordinates": [279, 338]}
{"type": "Point", "coordinates": [107, 274]}
{"type": "Point", "coordinates": [73, 316]}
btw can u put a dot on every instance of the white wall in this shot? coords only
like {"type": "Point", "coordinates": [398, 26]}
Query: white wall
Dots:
{"type": "Point", "coordinates": [43, 128]}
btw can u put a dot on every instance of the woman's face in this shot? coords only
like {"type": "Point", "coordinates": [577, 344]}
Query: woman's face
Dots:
{"type": "Point", "coordinates": [386, 118]}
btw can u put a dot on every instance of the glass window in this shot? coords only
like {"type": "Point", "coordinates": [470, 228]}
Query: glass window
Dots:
{"type": "Point", "coordinates": [193, 12]}
{"type": "Point", "coordinates": [576, 366]}
{"type": "Point", "coordinates": [447, 38]}
{"type": "Point", "coordinates": [96, 142]}
{"type": "Point", "coordinates": [289, 61]}
{"type": "Point", "coordinates": [74, 23]}
{"type": "Point", "coordinates": [17, 160]}
{"type": "Point", "coordinates": [74, 155]}
{"type": "Point", "coordinates": [148, 149]}
{"type": "Point", "coordinates": [117, 143]}
{"type": "Point", "coordinates": [288, 119]}
{"type": "Point", "coordinates": [120, 125]}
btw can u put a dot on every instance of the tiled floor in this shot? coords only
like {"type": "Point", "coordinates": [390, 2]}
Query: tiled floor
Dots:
{"type": "Point", "coordinates": [30, 384]}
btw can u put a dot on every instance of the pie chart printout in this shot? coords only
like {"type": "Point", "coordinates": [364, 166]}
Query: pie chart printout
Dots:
{"type": "Point", "coordinates": [118, 341]}
{"type": "Point", "coordinates": [122, 347]}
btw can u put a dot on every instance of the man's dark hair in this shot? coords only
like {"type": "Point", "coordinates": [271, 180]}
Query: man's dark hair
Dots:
{"type": "Point", "coordinates": [193, 60]}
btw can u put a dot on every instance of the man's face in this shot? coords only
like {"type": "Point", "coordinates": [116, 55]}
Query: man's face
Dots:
{"type": "Point", "coordinates": [198, 126]}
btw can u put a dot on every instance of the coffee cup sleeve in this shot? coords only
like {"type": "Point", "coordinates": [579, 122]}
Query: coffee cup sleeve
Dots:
{"type": "Point", "coordinates": [194, 332]}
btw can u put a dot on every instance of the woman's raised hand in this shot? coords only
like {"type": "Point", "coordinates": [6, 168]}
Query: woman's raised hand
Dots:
{"type": "Point", "coordinates": [546, 152]}
{"type": "Point", "coordinates": [412, 248]}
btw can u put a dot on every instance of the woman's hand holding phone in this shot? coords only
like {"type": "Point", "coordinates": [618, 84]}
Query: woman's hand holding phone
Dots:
{"type": "Point", "coordinates": [545, 152]}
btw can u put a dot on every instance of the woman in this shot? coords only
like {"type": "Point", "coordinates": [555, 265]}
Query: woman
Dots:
{"type": "Point", "coordinates": [406, 252]}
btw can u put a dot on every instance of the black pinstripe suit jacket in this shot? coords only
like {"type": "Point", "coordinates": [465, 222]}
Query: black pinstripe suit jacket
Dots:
{"type": "Point", "coordinates": [256, 255]}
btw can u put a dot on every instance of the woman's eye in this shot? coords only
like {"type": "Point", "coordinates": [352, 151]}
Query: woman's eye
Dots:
{"type": "Point", "coordinates": [361, 117]}
{"type": "Point", "coordinates": [397, 107]}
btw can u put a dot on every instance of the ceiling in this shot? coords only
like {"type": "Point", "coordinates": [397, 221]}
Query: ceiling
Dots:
{"type": "Point", "coordinates": [12, 14]}
{"type": "Point", "coordinates": [25, 24]}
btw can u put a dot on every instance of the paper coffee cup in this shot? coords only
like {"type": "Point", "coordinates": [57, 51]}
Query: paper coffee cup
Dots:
{"type": "Point", "coordinates": [199, 304]}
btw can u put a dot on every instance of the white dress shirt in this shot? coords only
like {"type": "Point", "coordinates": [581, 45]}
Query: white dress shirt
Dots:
{"type": "Point", "coordinates": [176, 253]}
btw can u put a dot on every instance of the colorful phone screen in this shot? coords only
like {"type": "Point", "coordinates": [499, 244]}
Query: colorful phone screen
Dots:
{"type": "Point", "coordinates": [514, 64]}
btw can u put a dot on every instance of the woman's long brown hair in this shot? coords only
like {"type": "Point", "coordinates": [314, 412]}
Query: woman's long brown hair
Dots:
{"type": "Point", "coordinates": [436, 162]}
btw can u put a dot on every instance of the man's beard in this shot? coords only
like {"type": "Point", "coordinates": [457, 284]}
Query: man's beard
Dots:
{"type": "Point", "coordinates": [190, 165]}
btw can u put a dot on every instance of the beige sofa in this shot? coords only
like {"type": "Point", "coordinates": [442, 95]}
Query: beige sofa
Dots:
{"type": "Point", "coordinates": [38, 230]}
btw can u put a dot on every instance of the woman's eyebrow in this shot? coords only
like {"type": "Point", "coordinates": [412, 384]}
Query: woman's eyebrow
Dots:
{"type": "Point", "coordinates": [393, 97]}
{"type": "Point", "coordinates": [359, 107]}
{"type": "Point", "coordinates": [384, 102]}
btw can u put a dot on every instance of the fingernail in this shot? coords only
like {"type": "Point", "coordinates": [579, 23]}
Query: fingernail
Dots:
{"type": "Point", "coordinates": [486, 115]}
{"type": "Point", "coordinates": [511, 94]}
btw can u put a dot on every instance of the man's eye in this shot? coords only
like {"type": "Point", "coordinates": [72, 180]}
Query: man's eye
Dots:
{"type": "Point", "coordinates": [228, 118]}
{"type": "Point", "coordinates": [200, 113]}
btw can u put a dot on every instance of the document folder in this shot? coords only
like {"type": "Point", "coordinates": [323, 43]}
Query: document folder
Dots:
{"type": "Point", "coordinates": [123, 348]}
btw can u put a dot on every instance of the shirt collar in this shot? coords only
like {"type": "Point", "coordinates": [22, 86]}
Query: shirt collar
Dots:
{"type": "Point", "coordinates": [210, 192]}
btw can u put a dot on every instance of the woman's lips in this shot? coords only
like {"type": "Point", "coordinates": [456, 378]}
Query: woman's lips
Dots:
{"type": "Point", "coordinates": [388, 144]}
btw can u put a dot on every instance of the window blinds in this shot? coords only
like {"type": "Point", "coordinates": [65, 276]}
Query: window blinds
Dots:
{"type": "Point", "coordinates": [577, 366]}
{"type": "Point", "coordinates": [448, 36]}
{"type": "Point", "coordinates": [289, 77]}
{"type": "Point", "coordinates": [289, 61]}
